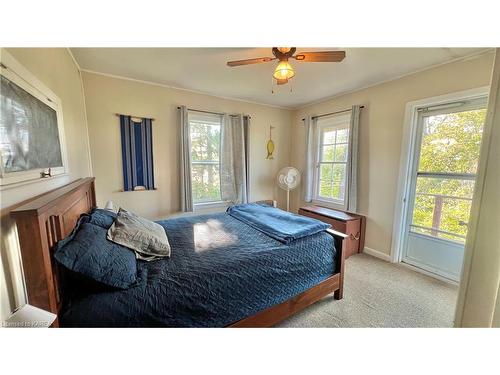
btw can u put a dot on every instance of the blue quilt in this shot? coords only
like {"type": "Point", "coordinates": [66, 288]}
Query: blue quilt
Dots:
{"type": "Point", "coordinates": [220, 271]}
{"type": "Point", "coordinates": [278, 224]}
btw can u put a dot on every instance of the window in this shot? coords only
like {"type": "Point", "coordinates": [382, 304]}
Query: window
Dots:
{"type": "Point", "coordinates": [331, 181]}
{"type": "Point", "coordinates": [31, 128]}
{"type": "Point", "coordinates": [446, 172]}
{"type": "Point", "coordinates": [205, 136]}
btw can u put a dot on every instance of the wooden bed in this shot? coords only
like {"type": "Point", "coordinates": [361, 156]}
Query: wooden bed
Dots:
{"type": "Point", "coordinates": [43, 221]}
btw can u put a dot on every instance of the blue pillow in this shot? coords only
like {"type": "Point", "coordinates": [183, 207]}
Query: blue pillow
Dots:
{"type": "Point", "coordinates": [102, 218]}
{"type": "Point", "coordinates": [89, 253]}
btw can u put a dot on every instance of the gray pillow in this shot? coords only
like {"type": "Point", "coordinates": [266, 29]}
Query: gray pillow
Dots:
{"type": "Point", "coordinates": [148, 240]}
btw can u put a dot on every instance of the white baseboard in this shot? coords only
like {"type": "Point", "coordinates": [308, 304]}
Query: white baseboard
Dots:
{"type": "Point", "coordinates": [388, 258]}
{"type": "Point", "coordinates": [377, 254]}
{"type": "Point", "coordinates": [428, 273]}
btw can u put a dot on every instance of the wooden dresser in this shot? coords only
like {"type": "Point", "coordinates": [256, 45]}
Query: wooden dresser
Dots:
{"type": "Point", "coordinates": [351, 224]}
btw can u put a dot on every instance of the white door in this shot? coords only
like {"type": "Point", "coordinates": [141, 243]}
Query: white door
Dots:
{"type": "Point", "coordinates": [447, 145]}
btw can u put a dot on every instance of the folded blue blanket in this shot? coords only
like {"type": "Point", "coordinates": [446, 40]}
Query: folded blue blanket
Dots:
{"type": "Point", "coordinates": [280, 225]}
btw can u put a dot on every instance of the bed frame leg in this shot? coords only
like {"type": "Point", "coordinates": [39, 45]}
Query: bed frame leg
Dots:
{"type": "Point", "coordinates": [340, 245]}
{"type": "Point", "coordinates": [338, 294]}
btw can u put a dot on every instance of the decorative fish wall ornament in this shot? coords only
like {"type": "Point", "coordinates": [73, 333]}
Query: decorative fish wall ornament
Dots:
{"type": "Point", "coordinates": [270, 144]}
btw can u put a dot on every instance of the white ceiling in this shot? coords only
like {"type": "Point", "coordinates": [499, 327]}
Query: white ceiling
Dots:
{"type": "Point", "coordinates": [205, 70]}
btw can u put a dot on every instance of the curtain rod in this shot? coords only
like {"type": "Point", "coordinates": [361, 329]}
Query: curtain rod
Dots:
{"type": "Point", "coordinates": [213, 113]}
{"type": "Point", "coordinates": [124, 114]}
{"type": "Point", "coordinates": [334, 113]}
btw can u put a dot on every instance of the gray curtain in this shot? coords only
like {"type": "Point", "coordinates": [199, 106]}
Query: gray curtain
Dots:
{"type": "Point", "coordinates": [352, 201]}
{"type": "Point", "coordinates": [234, 173]}
{"type": "Point", "coordinates": [310, 125]}
{"type": "Point", "coordinates": [185, 164]}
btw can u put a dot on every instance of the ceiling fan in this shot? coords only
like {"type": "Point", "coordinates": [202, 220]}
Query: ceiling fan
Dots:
{"type": "Point", "coordinates": [284, 71]}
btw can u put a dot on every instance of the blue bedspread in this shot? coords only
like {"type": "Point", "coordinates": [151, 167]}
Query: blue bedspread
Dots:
{"type": "Point", "coordinates": [276, 223]}
{"type": "Point", "coordinates": [220, 271]}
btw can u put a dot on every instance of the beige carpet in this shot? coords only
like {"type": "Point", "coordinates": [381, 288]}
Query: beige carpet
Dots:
{"type": "Point", "coordinates": [382, 294]}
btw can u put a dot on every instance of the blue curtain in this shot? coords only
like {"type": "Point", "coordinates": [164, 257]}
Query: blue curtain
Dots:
{"type": "Point", "coordinates": [137, 153]}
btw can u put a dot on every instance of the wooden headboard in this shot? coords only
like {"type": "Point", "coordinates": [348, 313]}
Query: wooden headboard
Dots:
{"type": "Point", "coordinates": [40, 224]}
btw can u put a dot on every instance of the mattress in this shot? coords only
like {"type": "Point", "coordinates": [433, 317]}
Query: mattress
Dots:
{"type": "Point", "coordinates": [221, 270]}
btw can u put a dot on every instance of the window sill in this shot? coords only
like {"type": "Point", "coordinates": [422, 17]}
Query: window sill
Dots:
{"type": "Point", "coordinates": [329, 204]}
{"type": "Point", "coordinates": [209, 206]}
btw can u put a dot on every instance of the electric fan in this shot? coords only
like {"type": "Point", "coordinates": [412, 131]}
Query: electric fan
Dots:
{"type": "Point", "coordinates": [288, 179]}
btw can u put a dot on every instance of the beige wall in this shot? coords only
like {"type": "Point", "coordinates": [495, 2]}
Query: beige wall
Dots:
{"type": "Point", "coordinates": [381, 132]}
{"type": "Point", "coordinates": [478, 304]}
{"type": "Point", "coordinates": [106, 96]}
{"type": "Point", "coordinates": [57, 70]}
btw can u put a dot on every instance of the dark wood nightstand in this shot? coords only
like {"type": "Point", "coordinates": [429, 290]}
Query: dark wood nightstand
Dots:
{"type": "Point", "coordinates": [351, 224]}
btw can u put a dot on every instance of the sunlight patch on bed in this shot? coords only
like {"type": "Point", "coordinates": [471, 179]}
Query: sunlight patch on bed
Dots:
{"type": "Point", "coordinates": [210, 235]}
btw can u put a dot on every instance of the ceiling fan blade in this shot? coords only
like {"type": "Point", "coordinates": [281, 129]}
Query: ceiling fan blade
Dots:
{"type": "Point", "coordinates": [281, 81]}
{"type": "Point", "coordinates": [249, 61]}
{"type": "Point", "coordinates": [325, 56]}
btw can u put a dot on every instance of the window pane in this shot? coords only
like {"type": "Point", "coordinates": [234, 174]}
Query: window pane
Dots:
{"type": "Point", "coordinates": [443, 204]}
{"type": "Point", "coordinates": [206, 182]}
{"type": "Point", "coordinates": [327, 153]}
{"type": "Point", "coordinates": [342, 135]}
{"type": "Point", "coordinates": [341, 152]}
{"type": "Point", "coordinates": [325, 189]}
{"type": "Point", "coordinates": [205, 146]}
{"type": "Point", "coordinates": [455, 216]}
{"type": "Point", "coordinates": [333, 157]}
{"type": "Point", "coordinates": [451, 142]}
{"type": "Point", "coordinates": [339, 174]}
{"type": "Point", "coordinates": [422, 211]}
{"type": "Point", "coordinates": [438, 213]}
{"type": "Point", "coordinates": [336, 194]}
{"type": "Point", "coordinates": [445, 186]}
{"type": "Point", "coordinates": [205, 141]}
{"type": "Point", "coordinates": [329, 136]}
{"type": "Point", "coordinates": [325, 172]}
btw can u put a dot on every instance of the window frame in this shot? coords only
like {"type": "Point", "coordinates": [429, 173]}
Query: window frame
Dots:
{"type": "Point", "coordinates": [337, 122]}
{"type": "Point", "coordinates": [207, 119]}
{"type": "Point", "coordinates": [19, 75]}
{"type": "Point", "coordinates": [462, 105]}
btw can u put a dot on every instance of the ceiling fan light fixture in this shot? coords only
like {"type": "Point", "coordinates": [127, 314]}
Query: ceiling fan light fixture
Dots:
{"type": "Point", "coordinates": [283, 71]}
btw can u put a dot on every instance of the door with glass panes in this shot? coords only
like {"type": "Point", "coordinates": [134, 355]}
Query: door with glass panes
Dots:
{"type": "Point", "coordinates": [447, 146]}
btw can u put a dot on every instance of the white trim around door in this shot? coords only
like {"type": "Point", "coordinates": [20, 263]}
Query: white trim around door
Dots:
{"type": "Point", "coordinates": [407, 158]}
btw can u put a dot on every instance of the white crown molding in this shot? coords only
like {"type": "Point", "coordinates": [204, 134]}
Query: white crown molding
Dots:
{"type": "Point", "coordinates": [289, 108]}
{"type": "Point", "coordinates": [184, 89]}
{"type": "Point", "coordinates": [74, 59]}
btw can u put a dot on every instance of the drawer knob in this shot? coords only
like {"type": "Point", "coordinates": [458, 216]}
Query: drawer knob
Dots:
{"type": "Point", "coordinates": [354, 237]}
